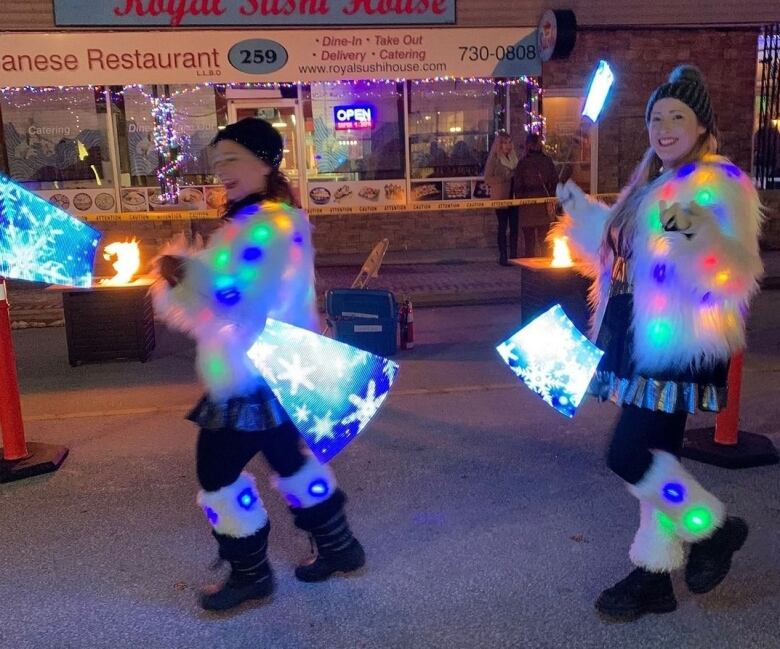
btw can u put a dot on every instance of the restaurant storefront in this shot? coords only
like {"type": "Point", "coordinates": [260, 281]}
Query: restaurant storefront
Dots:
{"type": "Point", "coordinates": [387, 120]}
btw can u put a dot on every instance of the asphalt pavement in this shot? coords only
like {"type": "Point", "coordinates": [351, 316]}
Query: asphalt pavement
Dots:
{"type": "Point", "coordinates": [489, 520]}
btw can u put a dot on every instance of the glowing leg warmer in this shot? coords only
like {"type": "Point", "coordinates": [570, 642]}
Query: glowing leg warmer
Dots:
{"type": "Point", "coordinates": [312, 484]}
{"type": "Point", "coordinates": [235, 510]}
{"type": "Point", "coordinates": [683, 505]}
{"type": "Point", "coordinates": [656, 547]}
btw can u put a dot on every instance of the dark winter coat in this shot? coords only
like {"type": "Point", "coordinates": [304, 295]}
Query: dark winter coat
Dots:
{"type": "Point", "coordinates": [535, 177]}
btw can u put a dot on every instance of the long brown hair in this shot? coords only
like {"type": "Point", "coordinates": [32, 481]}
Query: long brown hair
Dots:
{"type": "Point", "coordinates": [622, 221]}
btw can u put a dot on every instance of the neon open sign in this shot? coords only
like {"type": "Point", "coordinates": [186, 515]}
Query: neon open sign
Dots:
{"type": "Point", "coordinates": [356, 116]}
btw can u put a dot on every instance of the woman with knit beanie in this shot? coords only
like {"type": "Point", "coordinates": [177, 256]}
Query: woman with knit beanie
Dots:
{"type": "Point", "coordinates": [675, 263]}
{"type": "Point", "coordinates": [259, 264]}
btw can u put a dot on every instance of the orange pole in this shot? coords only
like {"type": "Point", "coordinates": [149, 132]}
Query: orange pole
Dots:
{"type": "Point", "coordinates": [727, 420]}
{"type": "Point", "coordinates": [14, 446]}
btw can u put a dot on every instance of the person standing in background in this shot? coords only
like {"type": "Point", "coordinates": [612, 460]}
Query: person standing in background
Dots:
{"type": "Point", "coordinates": [535, 177]}
{"type": "Point", "coordinates": [499, 170]}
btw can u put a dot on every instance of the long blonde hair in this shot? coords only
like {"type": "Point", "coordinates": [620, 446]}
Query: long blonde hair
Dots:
{"type": "Point", "coordinates": [622, 220]}
{"type": "Point", "coordinates": [501, 137]}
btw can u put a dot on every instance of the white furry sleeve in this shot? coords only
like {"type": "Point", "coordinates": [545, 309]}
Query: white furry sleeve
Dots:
{"type": "Point", "coordinates": [583, 222]}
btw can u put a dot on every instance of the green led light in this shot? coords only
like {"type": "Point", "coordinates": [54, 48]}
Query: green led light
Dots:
{"type": "Point", "coordinates": [216, 367]}
{"type": "Point", "coordinates": [654, 219]}
{"type": "Point", "coordinates": [223, 282]}
{"type": "Point", "coordinates": [660, 331]}
{"type": "Point", "coordinates": [705, 197]}
{"type": "Point", "coordinates": [697, 519]}
{"type": "Point", "coordinates": [665, 523]}
{"type": "Point", "coordinates": [260, 233]}
{"type": "Point", "coordinates": [222, 258]}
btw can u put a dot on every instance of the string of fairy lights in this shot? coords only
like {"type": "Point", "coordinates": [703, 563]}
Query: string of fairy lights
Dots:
{"type": "Point", "coordinates": [170, 140]}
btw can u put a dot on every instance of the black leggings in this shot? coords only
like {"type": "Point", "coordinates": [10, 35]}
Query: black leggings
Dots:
{"type": "Point", "coordinates": [507, 217]}
{"type": "Point", "coordinates": [223, 454]}
{"type": "Point", "coordinates": [639, 430]}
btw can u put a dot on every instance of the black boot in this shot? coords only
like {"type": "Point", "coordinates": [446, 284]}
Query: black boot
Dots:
{"type": "Point", "coordinates": [639, 593]}
{"type": "Point", "coordinates": [250, 573]}
{"type": "Point", "coordinates": [710, 560]}
{"type": "Point", "coordinates": [337, 549]}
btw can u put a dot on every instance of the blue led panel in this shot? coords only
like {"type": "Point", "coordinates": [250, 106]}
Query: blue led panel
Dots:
{"type": "Point", "coordinates": [42, 243]}
{"type": "Point", "coordinates": [330, 390]}
{"type": "Point", "coordinates": [553, 358]}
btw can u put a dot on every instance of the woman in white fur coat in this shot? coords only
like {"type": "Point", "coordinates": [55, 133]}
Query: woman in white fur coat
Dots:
{"type": "Point", "coordinates": [675, 263]}
{"type": "Point", "coordinates": [259, 264]}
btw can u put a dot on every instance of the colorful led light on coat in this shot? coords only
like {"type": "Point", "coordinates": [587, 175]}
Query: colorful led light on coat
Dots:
{"type": "Point", "coordinates": [674, 492]}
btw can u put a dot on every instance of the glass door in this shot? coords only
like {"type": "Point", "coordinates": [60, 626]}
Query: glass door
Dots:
{"type": "Point", "coordinates": [284, 115]}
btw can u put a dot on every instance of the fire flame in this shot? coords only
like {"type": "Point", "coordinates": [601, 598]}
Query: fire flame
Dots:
{"type": "Point", "coordinates": [128, 259]}
{"type": "Point", "coordinates": [561, 255]}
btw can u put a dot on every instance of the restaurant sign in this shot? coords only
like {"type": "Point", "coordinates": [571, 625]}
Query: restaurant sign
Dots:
{"type": "Point", "coordinates": [123, 58]}
{"type": "Point", "coordinates": [245, 13]}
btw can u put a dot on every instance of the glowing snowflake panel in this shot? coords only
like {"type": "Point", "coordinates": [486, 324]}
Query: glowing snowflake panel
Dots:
{"type": "Point", "coordinates": [330, 390]}
{"type": "Point", "coordinates": [552, 357]}
{"type": "Point", "coordinates": [42, 243]}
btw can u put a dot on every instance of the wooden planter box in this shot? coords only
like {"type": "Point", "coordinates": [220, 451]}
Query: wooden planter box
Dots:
{"type": "Point", "coordinates": [108, 323]}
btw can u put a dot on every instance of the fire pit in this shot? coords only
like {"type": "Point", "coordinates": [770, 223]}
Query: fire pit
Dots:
{"type": "Point", "coordinates": [546, 282]}
{"type": "Point", "coordinates": [112, 320]}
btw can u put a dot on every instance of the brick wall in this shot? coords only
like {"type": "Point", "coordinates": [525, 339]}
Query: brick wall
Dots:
{"type": "Point", "coordinates": [642, 59]}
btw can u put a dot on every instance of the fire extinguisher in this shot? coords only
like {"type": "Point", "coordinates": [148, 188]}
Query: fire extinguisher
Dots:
{"type": "Point", "coordinates": [403, 324]}
{"type": "Point", "coordinates": [409, 325]}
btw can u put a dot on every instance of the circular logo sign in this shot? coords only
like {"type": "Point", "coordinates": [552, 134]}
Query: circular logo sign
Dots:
{"type": "Point", "coordinates": [556, 34]}
{"type": "Point", "coordinates": [257, 56]}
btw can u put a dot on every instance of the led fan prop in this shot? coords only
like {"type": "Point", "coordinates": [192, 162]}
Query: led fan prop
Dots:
{"type": "Point", "coordinates": [553, 358]}
{"type": "Point", "coordinates": [330, 390]}
{"type": "Point", "coordinates": [41, 243]}
{"type": "Point", "coordinates": [601, 83]}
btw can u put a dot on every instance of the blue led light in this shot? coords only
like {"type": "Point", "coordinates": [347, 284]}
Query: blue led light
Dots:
{"type": "Point", "coordinates": [247, 498]}
{"type": "Point", "coordinates": [253, 253]}
{"type": "Point", "coordinates": [330, 390]}
{"type": "Point", "coordinates": [229, 296]}
{"type": "Point", "coordinates": [298, 238]}
{"type": "Point", "coordinates": [686, 170]}
{"type": "Point", "coordinates": [674, 492]}
{"type": "Point", "coordinates": [659, 273]}
{"type": "Point", "coordinates": [731, 169]}
{"type": "Point", "coordinates": [211, 515]}
{"type": "Point", "coordinates": [318, 488]}
{"type": "Point", "coordinates": [40, 242]}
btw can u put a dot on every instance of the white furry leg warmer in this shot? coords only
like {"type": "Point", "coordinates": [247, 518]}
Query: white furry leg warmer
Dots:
{"type": "Point", "coordinates": [312, 484]}
{"type": "Point", "coordinates": [693, 512]}
{"type": "Point", "coordinates": [236, 510]}
{"type": "Point", "coordinates": [656, 547]}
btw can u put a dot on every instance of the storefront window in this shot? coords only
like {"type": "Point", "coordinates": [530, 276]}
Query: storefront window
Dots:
{"type": "Point", "coordinates": [354, 131]}
{"type": "Point", "coordinates": [56, 138]}
{"type": "Point", "coordinates": [568, 138]}
{"type": "Point", "coordinates": [451, 126]}
{"type": "Point", "coordinates": [196, 118]}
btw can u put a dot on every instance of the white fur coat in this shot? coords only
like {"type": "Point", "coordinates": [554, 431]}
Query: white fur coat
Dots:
{"type": "Point", "coordinates": [258, 265]}
{"type": "Point", "coordinates": [694, 266]}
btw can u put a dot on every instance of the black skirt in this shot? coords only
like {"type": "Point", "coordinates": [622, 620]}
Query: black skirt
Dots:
{"type": "Point", "coordinates": [617, 379]}
{"type": "Point", "coordinates": [254, 412]}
